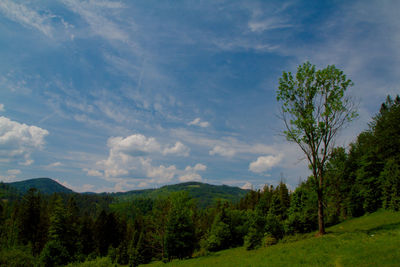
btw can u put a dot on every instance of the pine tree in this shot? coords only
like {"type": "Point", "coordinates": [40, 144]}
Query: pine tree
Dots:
{"type": "Point", "coordinates": [180, 237]}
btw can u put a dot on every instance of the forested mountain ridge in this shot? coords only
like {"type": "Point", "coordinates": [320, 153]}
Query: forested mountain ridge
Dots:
{"type": "Point", "coordinates": [205, 194]}
{"type": "Point", "coordinates": [44, 185]}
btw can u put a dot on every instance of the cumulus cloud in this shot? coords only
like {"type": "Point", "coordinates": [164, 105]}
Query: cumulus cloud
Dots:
{"type": "Point", "coordinates": [247, 186]}
{"type": "Point", "coordinates": [10, 176]}
{"type": "Point", "coordinates": [2, 107]}
{"type": "Point", "coordinates": [190, 177]}
{"type": "Point", "coordinates": [130, 158]}
{"type": "Point", "coordinates": [198, 122]}
{"type": "Point", "coordinates": [190, 173]}
{"type": "Point", "coordinates": [18, 141]}
{"type": "Point", "coordinates": [178, 149]}
{"type": "Point", "coordinates": [223, 151]}
{"type": "Point", "coordinates": [91, 172]}
{"type": "Point", "coordinates": [135, 144]}
{"type": "Point", "coordinates": [264, 163]}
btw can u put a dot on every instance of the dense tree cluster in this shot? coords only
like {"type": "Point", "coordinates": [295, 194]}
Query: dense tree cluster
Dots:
{"type": "Point", "coordinates": [61, 228]}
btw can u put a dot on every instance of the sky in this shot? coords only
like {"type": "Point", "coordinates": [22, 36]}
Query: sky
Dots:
{"type": "Point", "coordinates": [121, 95]}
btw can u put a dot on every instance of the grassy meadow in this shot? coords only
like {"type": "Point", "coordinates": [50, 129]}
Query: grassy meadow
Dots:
{"type": "Point", "coordinates": [371, 240]}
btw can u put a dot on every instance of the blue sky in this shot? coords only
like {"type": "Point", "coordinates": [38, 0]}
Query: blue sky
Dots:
{"type": "Point", "coordinates": [122, 95]}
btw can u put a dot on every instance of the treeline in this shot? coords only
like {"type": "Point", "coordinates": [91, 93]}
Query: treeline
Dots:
{"type": "Point", "coordinates": [59, 229]}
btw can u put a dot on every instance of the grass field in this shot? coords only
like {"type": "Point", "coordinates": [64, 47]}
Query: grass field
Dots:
{"type": "Point", "coordinates": [371, 240]}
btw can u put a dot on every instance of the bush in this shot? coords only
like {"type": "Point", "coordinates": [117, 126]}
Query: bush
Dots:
{"type": "Point", "coordinates": [269, 240]}
{"type": "Point", "coordinates": [54, 254]}
{"type": "Point", "coordinates": [17, 256]}
{"type": "Point", "coordinates": [273, 226]}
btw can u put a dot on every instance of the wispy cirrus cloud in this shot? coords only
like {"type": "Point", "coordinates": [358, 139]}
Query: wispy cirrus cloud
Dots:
{"type": "Point", "coordinates": [95, 14]}
{"type": "Point", "coordinates": [27, 17]}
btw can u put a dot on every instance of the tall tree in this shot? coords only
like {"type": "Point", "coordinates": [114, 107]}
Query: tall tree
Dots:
{"type": "Point", "coordinates": [314, 109]}
{"type": "Point", "coordinates": [180, 238]}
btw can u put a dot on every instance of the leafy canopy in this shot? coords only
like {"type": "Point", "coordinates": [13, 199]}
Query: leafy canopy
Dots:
{"type": "Point", "coordinates": [314, 107]}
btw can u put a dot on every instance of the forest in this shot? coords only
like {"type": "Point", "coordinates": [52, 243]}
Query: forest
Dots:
{"type": "Point", "coordinates": [64, 228]}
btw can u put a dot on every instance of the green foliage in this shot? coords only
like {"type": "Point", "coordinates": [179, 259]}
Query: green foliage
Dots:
{"type": "Point", "coordinates": [44, 185]}
{"type": "Point", "coordinates": [274, 226]}
{"type": "Point", "coordinates": [17, 257]}
{"type": "Point", "coordinates": [254, 236]}
{"type": "Point", "coordinates": [303, 211]}
{"type": "Point", "coordinates": [314, 108]}
{"type": "Point", "coordinates": [106, 232]}
{"type": "Point", "coordinates": [205, 194]}
{"type": "Point", "coordinates": [54, 254]}
{"type": "Point", "coordinates": [371, 240]}
{"type": "Point", "coordinates": [391, 185]}
{"type": "Point", "coordinates": [180, 239]}
{"type": "Point", "coordinates": [228, 229]}
{"type": "Point", "coordinates": [32, 221]}
{"type": "Point", "coordinates": [314, 99]}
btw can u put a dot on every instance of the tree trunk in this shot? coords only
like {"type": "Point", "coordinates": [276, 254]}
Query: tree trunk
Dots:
{"type": "Point", "coordinates": [321, 225]}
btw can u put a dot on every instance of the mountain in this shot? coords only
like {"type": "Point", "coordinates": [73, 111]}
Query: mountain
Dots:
{"type": "Point", "coordinates": [44, 185]}
{"type": "Point", "coordinates": [206, 194]}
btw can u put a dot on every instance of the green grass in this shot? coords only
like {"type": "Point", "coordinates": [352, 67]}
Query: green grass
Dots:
{"type": "Point", "coordinates": [371, 240]}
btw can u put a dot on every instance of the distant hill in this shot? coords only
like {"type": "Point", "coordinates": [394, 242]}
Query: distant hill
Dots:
{"type": "Point", "coordinates": [44, 185]}
{"type": "Point", "coordinates": [206, 194]}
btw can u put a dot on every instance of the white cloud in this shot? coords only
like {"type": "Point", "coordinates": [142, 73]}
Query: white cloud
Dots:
{"type": "Point", "coordinates": [18, 141]}
{"type": "Point", "coordinates": [54, 164]}
{"type": "Point", "coordinates": [143, 184]}
{"type": "Point", "coordinates": [264, 163]}
{"type": "Point", "coordinates": [10, 176]}
{"type": "Point", "coordinates": [268, 24]}
{"type": "Point", "coordinates": [190, 177]}
{"type": "Point", "coordinates": [80, 189]}
{"type": "Point", "coordinates": [225, 146]}
{"type": "Point", "coordinates": [28, 17]}
{"type": "Point", "coordinates": [198, 122]}
{"type": "Point", "coordinates": [130, 159]}
{"type": "Point", "coordinates": [2, 107]}
{"type": "Point", "coordinates": [93, 13]}
{"type": "Point", "coordinates": [190, 173]}
{"type": "Point", "coordinates": [93, 173]}
{"type": "Point", "coordinates": [247, 185]}
{"type": "Point", "coordinates": [223, 151]}
{"type": "Point", "coordinates": [135, 144]}
{"type": "Point", "coordinates": [197, 167]}
{"type": "Point", "coordinates": [14, 172]}
{"type": "Point", "coordinates": [177, 149]}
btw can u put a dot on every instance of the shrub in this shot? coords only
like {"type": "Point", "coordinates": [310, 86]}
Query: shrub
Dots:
{"type": "Point", "coordinates": [17, 256]}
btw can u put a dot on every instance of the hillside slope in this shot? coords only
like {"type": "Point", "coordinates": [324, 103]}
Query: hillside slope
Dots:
{"type": "Point", "coordinates": [371, 240]}
{"type": "Point", "coordinates": [44, 185]}
{"type": "Point", "coordinates": [206, 194]}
